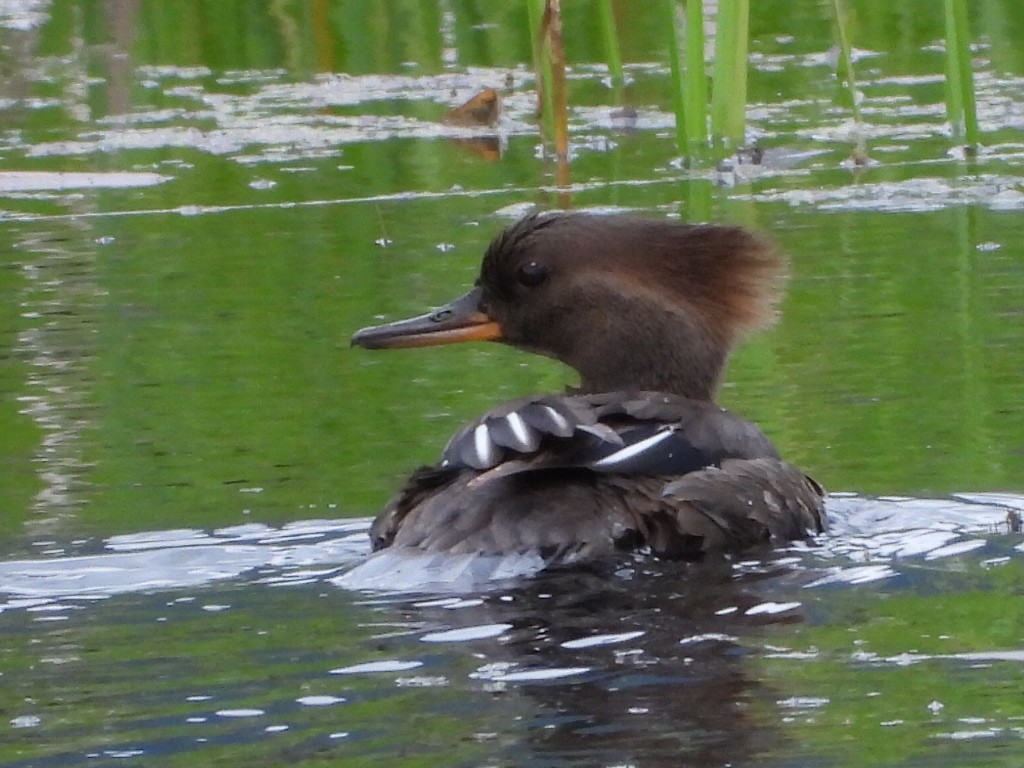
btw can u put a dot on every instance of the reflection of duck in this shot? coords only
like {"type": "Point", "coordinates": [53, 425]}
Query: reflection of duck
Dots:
{"type": "Point", "coordinates": [640, 456]}
{"type": "Point", "coordinates": [656, 663]}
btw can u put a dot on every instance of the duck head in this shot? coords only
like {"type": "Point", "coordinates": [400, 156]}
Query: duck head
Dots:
{"type": "Point", "coordinates": [629, 303]}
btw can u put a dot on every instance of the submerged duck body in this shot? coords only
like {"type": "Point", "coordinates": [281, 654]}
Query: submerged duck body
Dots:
{"type": "Point", "coordinates": [639, 457]}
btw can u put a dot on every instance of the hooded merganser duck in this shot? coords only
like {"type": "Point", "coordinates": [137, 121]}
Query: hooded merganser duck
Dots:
{"type": "Point", "coordinates": [639, 457]}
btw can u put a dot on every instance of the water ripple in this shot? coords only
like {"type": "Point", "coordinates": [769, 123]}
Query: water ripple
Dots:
{"type": "Point", "coordinates": [868, 540]}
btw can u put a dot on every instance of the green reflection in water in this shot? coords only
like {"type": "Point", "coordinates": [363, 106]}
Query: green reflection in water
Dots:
{"type": "Point", "coordinates": [219, 378]}
{"type": "Point", "coordinates": [891, 676]}
{"type": "Point", "coordinates": [163, 675]}
{"type": "Point", "coordinates": [221, 388]}
{"type": "Point", "coordinates": [202, 360]}
{"type": "Point", "coordinates": [18, 434]}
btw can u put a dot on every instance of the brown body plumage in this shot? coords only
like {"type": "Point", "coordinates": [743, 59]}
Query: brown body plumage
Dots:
{"type": "Point", "coordinates": [640, 456]}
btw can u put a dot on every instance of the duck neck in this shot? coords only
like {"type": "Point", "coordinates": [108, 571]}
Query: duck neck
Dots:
{"type": "Point", "coordinates": [673, 355]}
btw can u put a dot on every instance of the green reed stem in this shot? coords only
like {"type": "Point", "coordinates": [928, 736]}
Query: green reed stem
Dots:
{"type": "Point", "coordinates": [610, 34]}
{"type": "Point", "coordinates": [541, 63]}
{"type": "Point", "coordinates": [961, 107]}
{"type": "Point", "coordinates": [845, 74]}
{"type": "Point", "coordinates": [696, 79]}
{"type": "Point", "coordinates": [689, 79]}
{"type": "Point", "coordinates": [674, 55]}
{"type": "Point", "coordinates": [845, 67]}
{"type": "Point", "coordinates": [729, 90]}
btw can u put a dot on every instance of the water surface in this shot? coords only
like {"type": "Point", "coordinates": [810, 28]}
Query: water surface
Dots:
{"type": "Point", "coordinates": [198, 209]}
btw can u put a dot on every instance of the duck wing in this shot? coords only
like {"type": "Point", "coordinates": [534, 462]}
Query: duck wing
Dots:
{"type": "Point", "coordinates": [642, 433]}
{"type": "Point", "coordinates": [520, 427]}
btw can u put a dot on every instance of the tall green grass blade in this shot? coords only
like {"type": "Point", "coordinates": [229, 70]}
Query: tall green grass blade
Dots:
{"type": "Point", "coordinates": [845, 74]}
{"type": "Point", "coordinates": [737, 122]}
{"type": "Point", "coordinates": [541, 67]}
{"type": "Point", "coordinates": [696, 90]}
{"type": "Point", "coordinates": [729, 91]}
{"type": "Point", "coordinates": [689, 78]}
{"type": "Point", "coordinates": [610, 33]}
{"type": "Point", "coordinates": [723, 67]}
{"type": "Point", "coordinates": [670, 10]}
{"type": "Point", "coordinates": [954, 95]}
{"type": "Point", "coordinates": [961, 107]}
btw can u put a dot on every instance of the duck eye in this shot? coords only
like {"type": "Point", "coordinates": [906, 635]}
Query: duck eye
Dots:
{"type": "Point", "coordinates": [532, 274]}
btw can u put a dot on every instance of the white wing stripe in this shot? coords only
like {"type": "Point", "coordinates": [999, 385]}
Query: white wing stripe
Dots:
{"type": "Point", "coordinates": [558, 418]}
{"type": "Point", "coordinates": [519, 429]}
{"type": "Point", "coordinates": [483, 446]}
{"type": "Point", "coordinates": [625, 454]}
